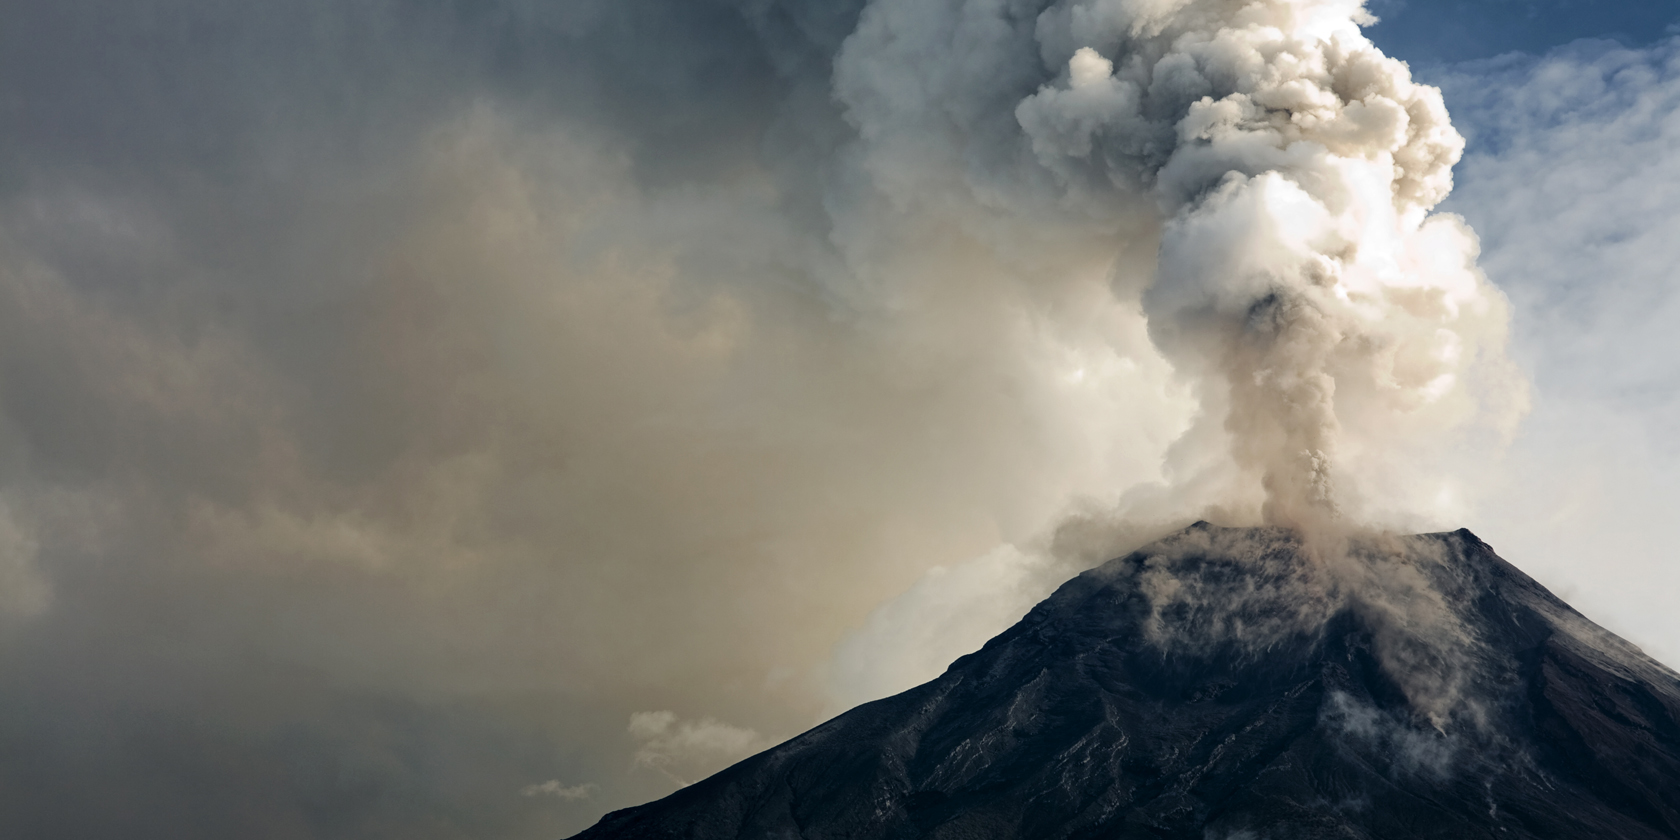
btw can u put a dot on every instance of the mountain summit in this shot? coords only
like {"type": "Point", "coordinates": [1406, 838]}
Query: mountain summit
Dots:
{"type": "Point", "coordinates": [1231, 683]}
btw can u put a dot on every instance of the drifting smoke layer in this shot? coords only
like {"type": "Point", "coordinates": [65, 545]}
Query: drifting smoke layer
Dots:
{"type": "Point", "coordinates": [398, 396]}
{"type": "Point", "coordinates": [1329, 323]}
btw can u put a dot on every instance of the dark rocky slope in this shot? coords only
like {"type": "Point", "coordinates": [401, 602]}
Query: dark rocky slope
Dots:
{"type": "Point", "coordinates": [1221, 684]}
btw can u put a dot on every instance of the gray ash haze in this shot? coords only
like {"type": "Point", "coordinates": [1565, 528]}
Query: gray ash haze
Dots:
{"type": "Point", "coordinates": [438, 420]}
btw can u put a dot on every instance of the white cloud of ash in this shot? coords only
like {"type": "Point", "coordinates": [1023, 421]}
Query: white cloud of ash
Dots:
{"type": "Point", "coordinates": [1275, 171]}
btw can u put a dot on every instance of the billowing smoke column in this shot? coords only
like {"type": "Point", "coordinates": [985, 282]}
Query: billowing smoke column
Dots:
{"type": "Point", "coordinates": [1262, 179]}
{"type": "Point", "coordinates": [1329, 324]}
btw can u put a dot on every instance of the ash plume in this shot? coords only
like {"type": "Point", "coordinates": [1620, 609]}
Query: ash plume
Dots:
{"type": "Point", "coordinates": [1255, 182]}
{"type": "Point", "coordinates": [1327, 321]}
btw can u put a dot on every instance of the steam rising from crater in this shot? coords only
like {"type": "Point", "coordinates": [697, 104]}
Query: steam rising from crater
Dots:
{"type": "Point", "coordinates": [1331, 327]}
{"type": "Point", "coordinates": [1258, 181]}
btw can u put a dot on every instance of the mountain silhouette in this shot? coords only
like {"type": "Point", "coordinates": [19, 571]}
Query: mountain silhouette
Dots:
{"type": "Point", "coordinates": [1241, 684]}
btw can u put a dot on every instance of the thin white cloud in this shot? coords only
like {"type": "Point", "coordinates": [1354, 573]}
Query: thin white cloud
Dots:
{"type": "Point", "coordinates": [554, 788]}
{"type": "Point", "coordinates": [25, 592]}
{"type": "Point", "coordinates": [685, 750]}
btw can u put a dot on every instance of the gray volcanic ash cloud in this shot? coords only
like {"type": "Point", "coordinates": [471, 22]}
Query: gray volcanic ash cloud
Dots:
{"type": "Point", "coordinates": [1279, 170]}
{"type": "Point", "coordinates": [396, 400]}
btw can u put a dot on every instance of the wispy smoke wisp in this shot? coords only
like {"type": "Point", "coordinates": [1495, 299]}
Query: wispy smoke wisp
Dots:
{"type": "Point", "coordinates": [564, 792]}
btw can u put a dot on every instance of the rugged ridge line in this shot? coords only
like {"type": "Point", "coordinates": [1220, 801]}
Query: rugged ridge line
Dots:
{"type": "Point", "coordinates": [1222, 685]}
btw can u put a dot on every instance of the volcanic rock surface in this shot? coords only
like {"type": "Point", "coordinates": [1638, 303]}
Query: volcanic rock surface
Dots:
{"type": "Point", "coordinates": [1233, 683]}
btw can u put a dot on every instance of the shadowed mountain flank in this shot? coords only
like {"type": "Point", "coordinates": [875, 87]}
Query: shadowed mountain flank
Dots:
{"type": "Point", "coordinates": [1234, 683]}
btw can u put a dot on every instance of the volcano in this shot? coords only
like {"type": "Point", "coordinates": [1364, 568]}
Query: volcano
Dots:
{"type": "Point", "coordinates": [1241, 684]}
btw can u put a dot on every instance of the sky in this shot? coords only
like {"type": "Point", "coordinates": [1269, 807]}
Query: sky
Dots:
{"type": "Point", "coordinates": [440, 420]}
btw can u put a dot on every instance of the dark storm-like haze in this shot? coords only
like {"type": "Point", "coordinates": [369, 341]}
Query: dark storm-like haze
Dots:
{"type": "Point", "coordinates": [436, 420]}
